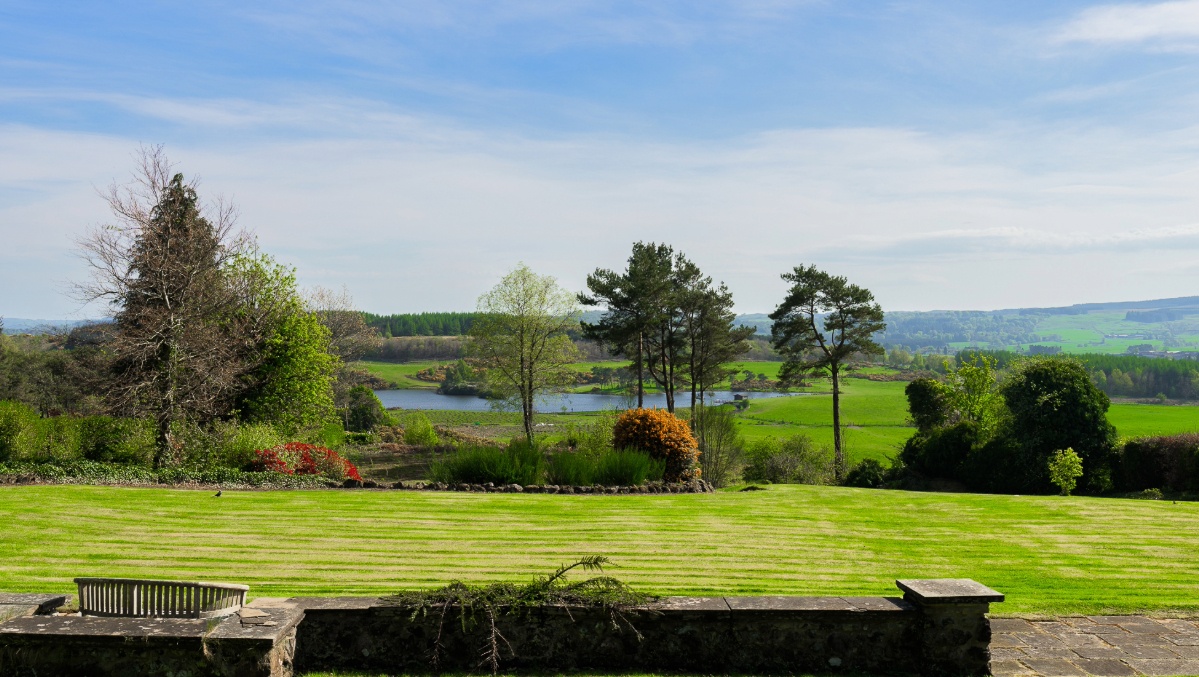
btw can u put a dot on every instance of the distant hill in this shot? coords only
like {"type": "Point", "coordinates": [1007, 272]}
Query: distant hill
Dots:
{"type": "Point", "coordinates": [1142, 327]}
{"type": "Point", "coordinates": [1158, 326]}
{"type": "Point", "coordinates": [21, 325]}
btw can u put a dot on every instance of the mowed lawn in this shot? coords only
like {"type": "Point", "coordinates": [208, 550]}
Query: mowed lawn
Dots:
{"type": "Point", "coordinates": [1048, 554]}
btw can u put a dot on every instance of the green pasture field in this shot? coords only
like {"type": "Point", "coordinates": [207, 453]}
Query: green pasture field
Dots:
{"type": "Point", "coordinates": [400, 373]}
{"type": "Point", "coordinates": [1140, 420]}
{"type": "Point", "coordinates": [875, 413]}
{"type": "Point", "coordinates": [1087, 333]}
{"type": "Point", "coordinates": [1049, 554]}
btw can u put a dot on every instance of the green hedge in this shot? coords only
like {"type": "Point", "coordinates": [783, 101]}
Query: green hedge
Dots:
{"type": "Point", "coordinates": [93, 472]}
{"type": "Point", "coordinates": [1170, 463]}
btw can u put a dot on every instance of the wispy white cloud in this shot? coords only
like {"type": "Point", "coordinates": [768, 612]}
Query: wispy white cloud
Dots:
{"type": "Point", "coordinates": [416, 213]}
{"type": "Point", "coordinates": [1022, 241]}
{"type": "Point", "coordinates": [1168, 25]}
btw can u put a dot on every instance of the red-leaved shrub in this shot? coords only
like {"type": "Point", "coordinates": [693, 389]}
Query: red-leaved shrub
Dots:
{"type": "Point", "coordinates": [298, 458]}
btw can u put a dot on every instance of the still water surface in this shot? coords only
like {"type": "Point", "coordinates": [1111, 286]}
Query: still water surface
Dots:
{"type": "Point", "coordinates": [428, 399]}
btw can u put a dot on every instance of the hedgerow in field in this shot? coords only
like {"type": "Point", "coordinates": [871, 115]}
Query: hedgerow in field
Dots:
{"type": "Point", "coordinates": [662, 435]}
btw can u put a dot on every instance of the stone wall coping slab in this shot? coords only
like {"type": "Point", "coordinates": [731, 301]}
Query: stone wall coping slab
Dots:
{"type": "Point", "coordinates": [10, 611]}
{"type": "Point", "coordinates": [269, 627]}
{"type": "Point", "coordinates": [947, 591]}
{"type": "Point", "coordinates": [772, 603]}
{"type": "Point", "coordinates": [704, 604]}
{"type": "Point", "coordinates": [334, 603]}
{"type": "Point", "coordinates": [879, 603]}
{"type": "Point", "coordinates": [767, 603]}
{"type": "Point", "coordinates": [105, 626]}
{"type": "Point", "coordinates": [45, 603]}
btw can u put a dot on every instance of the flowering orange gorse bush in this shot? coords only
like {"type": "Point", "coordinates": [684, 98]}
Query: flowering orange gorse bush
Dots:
{"type": "Point", "coordinates": [662, 435]}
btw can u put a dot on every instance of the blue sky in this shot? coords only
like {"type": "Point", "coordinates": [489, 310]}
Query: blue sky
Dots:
{"type": "Point", "coordinates": [945, 155]}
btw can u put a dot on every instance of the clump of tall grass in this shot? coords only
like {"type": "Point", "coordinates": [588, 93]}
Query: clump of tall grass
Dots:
{"type": "Point", "coordinates": [610, 467]}
{"type": "Point", "coordinates": [622, 467]}
{"type": "Point", "coordinates": [519, 463]}
{"type": "Point", "coordinates": [571, 468]}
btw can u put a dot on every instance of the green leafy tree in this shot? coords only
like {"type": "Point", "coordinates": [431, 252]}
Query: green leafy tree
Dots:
{"type": "Point", "coordinates": [364, 412]}
{"type": "Point", "coordinates": [1065, 467]}
{"type": "Point", "coordinates": [823, 322]}
{"type": "Point", "coordinates": [289, 382]}
{"type": "Point", "coordinates": [520, 338]}
{"type": "Point", "coordinates": [710, 338]}
{"type": "Point", "coordinates": [928, 403]}
{"type": "Point", "coordinates": [1055, 405]}
{"type": "Point", "coordinates": [972, 394]}
{"type": "Point", "coordinates": [670, 319]}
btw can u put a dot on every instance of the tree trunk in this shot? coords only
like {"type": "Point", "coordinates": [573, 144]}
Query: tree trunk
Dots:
{"type": "Point", "coordinates": [838, 448]}
{"type": "Point", "coordinates": [640, 370]}
{"type": "Point", "coordinates": [526, 397]}
{"type": "Point", "coordinates": [667, 377]}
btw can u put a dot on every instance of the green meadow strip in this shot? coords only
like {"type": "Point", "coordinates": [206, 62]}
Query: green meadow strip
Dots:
{"type": "Point", "coordinates": [1050, 555]}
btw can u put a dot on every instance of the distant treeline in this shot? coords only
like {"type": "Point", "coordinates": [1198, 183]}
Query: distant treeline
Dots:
{"type": "Point", "coordinates": [1126, 375]}
{"type": "Point", "coordinates": [1160, 315]}
{"type": "Point", "coordinates": [421, 324]}
{"type": "Point", "coordinates": [421, 348]}
{"type": "Point", "coordinates": [937, 329]}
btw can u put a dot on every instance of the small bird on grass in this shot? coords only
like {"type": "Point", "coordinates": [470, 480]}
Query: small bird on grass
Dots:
{"type": "Point", "coordinates": [218, 493]}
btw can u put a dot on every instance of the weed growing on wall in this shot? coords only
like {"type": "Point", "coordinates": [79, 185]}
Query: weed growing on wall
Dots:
{"type": "Point", "coordinates": [475, 603]}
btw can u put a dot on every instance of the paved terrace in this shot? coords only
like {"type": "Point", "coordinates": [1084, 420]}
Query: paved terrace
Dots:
{"type": "Point", "coordinates": [1077, 646]}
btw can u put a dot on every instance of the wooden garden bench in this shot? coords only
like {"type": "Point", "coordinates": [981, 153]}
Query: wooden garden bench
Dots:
{"type": "Point", "coordinates": [158, 599]}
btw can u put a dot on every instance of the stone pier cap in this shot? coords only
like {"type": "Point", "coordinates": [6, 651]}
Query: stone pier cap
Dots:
{"type": "Point", "coordinates": [927, 592]}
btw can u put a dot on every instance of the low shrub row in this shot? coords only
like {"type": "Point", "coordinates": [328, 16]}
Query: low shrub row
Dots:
{"type": "Point", "coordinates": [524, 464]}
{"type": "Point", "coordinates": [27, 437]}
{"type": "Point", "coordinates": [93, 472]}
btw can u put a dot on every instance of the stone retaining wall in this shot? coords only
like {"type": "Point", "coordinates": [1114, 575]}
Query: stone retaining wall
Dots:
{"type": "Point", "coordinates": [939, 627]}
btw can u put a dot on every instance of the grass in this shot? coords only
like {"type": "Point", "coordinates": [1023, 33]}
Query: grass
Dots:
{"type": "Point", "coordinates": [876, 412]}
{"type": "Point", "coordinates": [1139, 420]}
{"type": "Point", "coordinates": [402, 374]}
{"type": "Point", "coordinates": [1050, 555]}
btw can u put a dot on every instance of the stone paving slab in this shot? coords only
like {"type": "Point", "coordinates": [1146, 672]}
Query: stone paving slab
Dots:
{"type": "Point", "coordinates": [1095, 646]}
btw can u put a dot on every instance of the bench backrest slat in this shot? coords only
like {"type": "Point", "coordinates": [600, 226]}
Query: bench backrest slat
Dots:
{"type": "Point", "coordinates": [162, 599]}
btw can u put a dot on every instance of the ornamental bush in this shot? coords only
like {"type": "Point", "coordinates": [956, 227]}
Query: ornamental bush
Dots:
{"type": "Point", "coordinates": [297, 458]}
{"type": "Point", "coordinates": [663, 436]}
{"type": "Point", "coordinates": [1065, 467]}
{"type": "Point", "coordinates": [418, 431]}
{"type": "Point", "coordinates": [795, 460]}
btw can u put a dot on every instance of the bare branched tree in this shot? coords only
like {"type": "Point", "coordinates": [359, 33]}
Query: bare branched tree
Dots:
{"type": "Point", "coordinates": [350, 336]}
{"type": "Point", "coordinates": [159, 266]}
